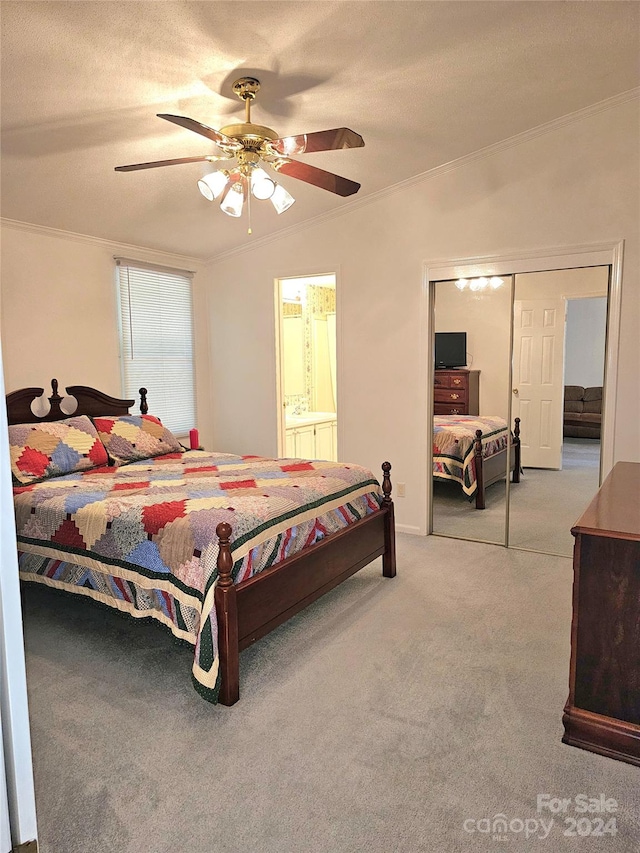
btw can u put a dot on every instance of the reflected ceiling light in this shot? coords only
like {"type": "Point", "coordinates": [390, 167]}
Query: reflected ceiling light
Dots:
{"type": "Point", "coordinates": [481, 283]}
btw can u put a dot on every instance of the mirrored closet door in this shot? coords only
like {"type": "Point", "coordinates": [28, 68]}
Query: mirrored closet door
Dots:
{"type": "Point", "coordinates": [471, 396]}
{"type": "Point", "coordinates": [560, 321]}
{"type": "Point", "coordinates": [530, 347]}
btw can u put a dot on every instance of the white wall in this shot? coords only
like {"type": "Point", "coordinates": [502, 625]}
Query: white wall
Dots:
{"type": "Point", "coordinates": [59, 313]}
{"type": "Point", "coordinates": [574, 185]}
{"type": "Point", "coordinates": [585, 342]}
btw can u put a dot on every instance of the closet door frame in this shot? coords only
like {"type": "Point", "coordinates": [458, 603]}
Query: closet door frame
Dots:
{"type": "Point", "coordinates": [537, 260]}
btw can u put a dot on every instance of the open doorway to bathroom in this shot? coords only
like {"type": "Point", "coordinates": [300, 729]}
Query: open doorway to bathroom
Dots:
{"type": "Point", "coordinates": [306, 336]}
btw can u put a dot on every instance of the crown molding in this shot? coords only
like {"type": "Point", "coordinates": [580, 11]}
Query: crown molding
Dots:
{"type": "Point", "coordinates": [111, 245]}
{"type": "Point", "coordinates": [436, 171]}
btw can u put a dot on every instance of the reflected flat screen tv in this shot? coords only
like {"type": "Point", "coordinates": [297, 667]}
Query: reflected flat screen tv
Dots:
{"type": "Point", "coordinates": [451, 349]}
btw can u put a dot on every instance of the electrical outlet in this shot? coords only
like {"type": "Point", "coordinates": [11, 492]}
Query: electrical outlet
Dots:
{"type": "Point", "coordinates": [401, 489]}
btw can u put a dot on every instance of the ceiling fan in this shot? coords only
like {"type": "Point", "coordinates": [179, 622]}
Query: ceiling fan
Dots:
{"type": "Point", "coordinates": [250, 146]}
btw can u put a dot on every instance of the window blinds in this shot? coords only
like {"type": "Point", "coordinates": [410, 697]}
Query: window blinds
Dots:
{"type": "Point", "coordinates": [156, 341]}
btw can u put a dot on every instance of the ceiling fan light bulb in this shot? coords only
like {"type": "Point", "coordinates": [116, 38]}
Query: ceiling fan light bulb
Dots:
{"type": "Point", "coordinates": [281, 199]}
{"type": "Point", "coordinates": [495, 282]}
{"type": "Point", "coordinates": [262, 186]}
{"type": "Point", "coordinates": [212, 185]}
{"type": "Point", "coordinates": [233, 200]}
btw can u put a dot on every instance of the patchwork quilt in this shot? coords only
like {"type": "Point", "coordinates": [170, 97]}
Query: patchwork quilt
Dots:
{"type": "Point", "coordinates": [141, 537]}
{"type": "Point", "coordinates": [453, 446]}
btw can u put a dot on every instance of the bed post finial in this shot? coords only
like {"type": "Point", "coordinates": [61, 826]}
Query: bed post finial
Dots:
{"type": "Point", "coordinates": [225, 560]}
{"type": "Point", "coordinates": [55, 399]}
{"type": "Point", "coordinates": [386, 482]}
{"type": "Point", "coordinates": [144, 408]}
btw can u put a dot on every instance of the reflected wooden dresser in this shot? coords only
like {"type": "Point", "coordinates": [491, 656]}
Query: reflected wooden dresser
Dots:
{"type": "Point", "coordinates": [456, 392]}
{"type": "Point", "coordinates": [602, 713]}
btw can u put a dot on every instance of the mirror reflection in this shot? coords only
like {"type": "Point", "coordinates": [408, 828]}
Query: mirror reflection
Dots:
{"type": "Point", "coordinates": [471, 435]}
{"type": "Point", "coordinates": [558, 377]}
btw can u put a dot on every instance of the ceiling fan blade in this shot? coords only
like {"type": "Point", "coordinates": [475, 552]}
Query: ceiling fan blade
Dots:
{"type": "Point", "coordinates": [321, 140]}
{"type": "Point", "coordinates": [134, 166]}
{"type": "Point", "coordinates": [214, 135]}
{"type": "Point", "coordinates": [317, 177]}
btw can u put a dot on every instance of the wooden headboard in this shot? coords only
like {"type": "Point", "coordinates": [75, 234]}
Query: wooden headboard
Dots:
{"type": "Point", "coordinates": [90, 402]}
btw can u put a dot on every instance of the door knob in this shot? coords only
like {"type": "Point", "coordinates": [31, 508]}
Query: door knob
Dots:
{"type": "Point", "coordinates": [515, 391]}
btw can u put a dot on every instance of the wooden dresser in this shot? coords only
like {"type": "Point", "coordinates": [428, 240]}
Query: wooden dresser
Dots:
{"type": "Point", "coordinates": [602, 713]}
{"type": "Point", "coordinates": [456, 392]}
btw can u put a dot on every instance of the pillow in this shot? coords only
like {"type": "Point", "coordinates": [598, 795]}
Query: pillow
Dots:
{"type": "Point", "coordinates": [46, 450]}
{"type": "Point", "coordinates": [132, 437]}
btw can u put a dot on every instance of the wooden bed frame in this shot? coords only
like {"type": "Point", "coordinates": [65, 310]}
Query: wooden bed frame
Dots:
{"type": "Point", "coordinates": [249, 610]}
{"type": "Point", "coordinates": [493, 468]}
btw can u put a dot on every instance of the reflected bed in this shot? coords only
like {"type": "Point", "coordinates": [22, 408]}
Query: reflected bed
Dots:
{"type": "Point", "coordinates": [474, 451]}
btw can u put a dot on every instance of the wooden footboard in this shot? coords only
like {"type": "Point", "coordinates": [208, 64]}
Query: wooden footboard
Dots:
{"type": "Point", "coordinates": [251, 609]}
{"type": "Point", "coordinates": [492, 469]}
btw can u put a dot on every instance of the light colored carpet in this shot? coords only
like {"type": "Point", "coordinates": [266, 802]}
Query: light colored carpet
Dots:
{"type": "Point", "coordinates": [379, 720]}
{"type": "Point", "coordinates": [543, 506]}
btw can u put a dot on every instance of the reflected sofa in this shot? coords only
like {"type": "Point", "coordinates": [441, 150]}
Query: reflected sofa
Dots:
{"type": "Point", "coordinates": [582, 411]}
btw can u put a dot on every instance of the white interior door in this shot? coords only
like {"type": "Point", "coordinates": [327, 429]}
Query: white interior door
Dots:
{"type": "Point", "coordinates": [538, 379]}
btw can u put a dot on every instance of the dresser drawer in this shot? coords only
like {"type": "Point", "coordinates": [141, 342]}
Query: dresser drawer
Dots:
{"type": "Point", "coordinates": [449, 395]}
{"type": "Point", "coordinates": [447, 379]}
{"type": "Point", "coordinates": [449, 409]}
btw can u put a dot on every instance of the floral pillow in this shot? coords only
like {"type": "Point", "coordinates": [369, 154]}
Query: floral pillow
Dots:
{"type": "Point", "coordinates": [46, 450]}
{"type": "Point", "coordinates": [132, 437]}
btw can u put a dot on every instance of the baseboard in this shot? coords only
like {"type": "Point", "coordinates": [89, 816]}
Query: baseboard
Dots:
{"type": "Point", "coordinates": [409, 528]}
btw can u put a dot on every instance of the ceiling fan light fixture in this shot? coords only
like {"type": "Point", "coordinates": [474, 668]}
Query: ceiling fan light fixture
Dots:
{"type": "Point", "coordinates": [233, 200]}
{"type": "Point", "coordinates": [213, 184]}
{"type": "Point", "coordinates": [262, 186]}
{"type": "Point", "coordinates": [281, 199]}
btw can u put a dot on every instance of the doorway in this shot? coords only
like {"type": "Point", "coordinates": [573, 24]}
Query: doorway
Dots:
{"type": "Point", "coordinates": [584, 458]}
{"type": "Point", "coordinates": [307, 367]}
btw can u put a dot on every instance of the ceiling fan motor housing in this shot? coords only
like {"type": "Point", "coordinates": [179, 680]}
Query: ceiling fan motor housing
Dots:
{"type": "Point", "coordinates": [251, 135]}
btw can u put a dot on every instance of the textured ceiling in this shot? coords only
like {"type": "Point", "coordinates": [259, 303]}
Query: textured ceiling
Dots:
{"type": "Point", "coordinates": [423, 82]}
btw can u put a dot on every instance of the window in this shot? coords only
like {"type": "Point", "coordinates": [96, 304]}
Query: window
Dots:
{"type": "Point", "coordinates": [156, 340]}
